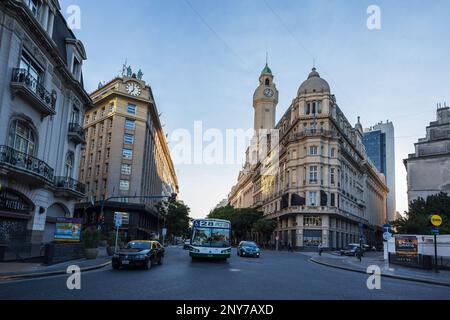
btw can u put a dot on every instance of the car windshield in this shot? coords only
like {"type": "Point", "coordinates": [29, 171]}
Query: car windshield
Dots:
{"type": "Point", "coordinates": [248, 244]}
{"type": "Point", "coordinates": [207, 237]}
{"type": "Point", "coordinates": [139, 245]}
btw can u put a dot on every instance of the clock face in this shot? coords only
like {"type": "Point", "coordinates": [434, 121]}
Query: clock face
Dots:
{"type": "Point", "coordinates": [133, 89]}
{"type": "Point", "coordinates": [268, 93]}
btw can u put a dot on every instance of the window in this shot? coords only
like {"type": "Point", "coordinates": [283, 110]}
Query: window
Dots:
{"type": "Point", "coordinates": [313, 150]}
{"type": "Point", "coordinates": [319, 107]}
{"type": "Point", "coordinates": [312, 238]}
{"type": "Point", "coordinates": [332, 176]}
{"type": "Point", "coordinates": [313, 174]}
{"type": "Point", "coordinates": [333, 200]}
{"type": "Point", "coordinates": [94, 116]}
{"type": "Point", "coordinates": [131, 108]}
{"type": "Point", "coordinates": [308, 108]}
{"type": "Point", "coordinates": [31, 68]}
{"type": "Point", "coordinates": [127, 154]}
{"type": "Point", "coordinates": [87, 119]}
{"type": "Point", "coordinates": [128, 139]}
{"type": "Point", "coordinates": [124, 185]}
{"type": "Point", "coordinates": [129, 124]}
{"type": "Point", "coordinates": [76, 67]}
{"type": "Point", "coordinates": [68, 167]}
{"type": "Point", "coordinates": [99, 155]}
{"type": "Point", "coordinates": [106, 167]}
{"type": "Point", "coordinates": [34, 6]}
{"type": "Point", "coordinates": [294, 177]}
{"type": "Point", "coordinates": [75, 115]}
{"type": "Point", "coordinates": [313, 199]}
{"type": "Point", "coordinates": [108, 153]}
{"type": "Point", "coordinates": [109, 137]}
{"type": "Point", "coordinates": [22, 138]}
{"type": "Point", "coordinates": [312, 221]}
{"type": "Point", "coordinates": [126, 169]}
{"type": "Point", "coordinates": [333, 151]}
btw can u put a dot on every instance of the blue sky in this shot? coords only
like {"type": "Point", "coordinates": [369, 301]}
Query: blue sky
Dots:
{"type": "Point", "coordinates": [203, 59]}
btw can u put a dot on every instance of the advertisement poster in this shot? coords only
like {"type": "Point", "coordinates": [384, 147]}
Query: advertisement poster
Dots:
{"type": "Point", "coordinates": [406, 246]}
{"type": "Point", "coordinates": [68, 230]}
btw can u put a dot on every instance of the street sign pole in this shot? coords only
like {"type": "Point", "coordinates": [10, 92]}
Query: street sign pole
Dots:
{"type": "Point", "coordinates": [435, 254]}
{"type": "Point", "coordinates": [436, 221]}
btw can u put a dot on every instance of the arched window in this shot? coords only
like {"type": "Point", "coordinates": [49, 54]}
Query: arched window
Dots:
{"type": "Point", "coordinates": [68, 167]}
{"type": "Point", "coordinates": [22, 137]}
{"type": "Point", "coordinates": [267, 82]}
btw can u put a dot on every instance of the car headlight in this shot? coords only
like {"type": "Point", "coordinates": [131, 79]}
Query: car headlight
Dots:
{"type": "Point", "coordinates": [195, 250]}
{"type": "Point", "coordinates": [226, 251]}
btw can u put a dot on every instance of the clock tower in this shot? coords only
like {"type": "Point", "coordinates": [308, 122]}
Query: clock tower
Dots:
{"type": "Point", "coordinates": [265, 101]}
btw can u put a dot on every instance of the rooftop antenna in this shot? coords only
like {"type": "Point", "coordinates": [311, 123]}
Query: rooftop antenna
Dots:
{"type": "Point", "coordinates": [314, 63]}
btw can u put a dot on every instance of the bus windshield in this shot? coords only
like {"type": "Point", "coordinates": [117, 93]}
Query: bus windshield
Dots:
{"type": "Point", "coordinates": [211, 237]}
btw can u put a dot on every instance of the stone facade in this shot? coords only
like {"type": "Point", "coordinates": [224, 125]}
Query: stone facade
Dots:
{"type": "Point", "coordinates": [323, 189]}
{"type": "Point", "coordinates": [42, 106]}
{"type": "Point", "coordinates": [429, 167]}
{"type": "Point", "coordinates": [126, 155]}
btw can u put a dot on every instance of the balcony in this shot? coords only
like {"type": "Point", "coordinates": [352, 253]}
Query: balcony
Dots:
{"type": "Point", "coordinates": [25, 168]}
{"type": "Point", "coordinates": [32, 91]}
{"type": "Point", "coordinates": [76, 133]}
{"type": "Point", "coordinates": [68, 187]}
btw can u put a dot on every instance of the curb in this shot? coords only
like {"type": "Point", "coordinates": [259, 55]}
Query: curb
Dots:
{"type": "Point", "coordinates": [383, 274]}
{"type": "Point", "coordinates": [49, 274]}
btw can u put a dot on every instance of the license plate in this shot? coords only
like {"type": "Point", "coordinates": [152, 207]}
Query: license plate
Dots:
{"type": "Point", "coordinates": [125, 262]}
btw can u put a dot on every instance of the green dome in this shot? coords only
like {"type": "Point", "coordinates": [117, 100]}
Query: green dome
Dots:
{"type": "Point", "coordinates": [266, 70]}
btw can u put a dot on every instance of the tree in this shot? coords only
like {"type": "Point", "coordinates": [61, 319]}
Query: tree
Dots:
{"type": "Point", "coordinates": [176, 218]}
{"type": "Point", "coordinates": [417, 220]}
{"type": "Point", "coordinates": [265, 229]}
{"type": "Point", "coordinates": [242, 220]}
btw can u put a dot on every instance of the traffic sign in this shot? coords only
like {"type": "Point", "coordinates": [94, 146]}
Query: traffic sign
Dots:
{"type": "Point", "coordinates": [387, 228]}
{"type": "Point", "coordinates": [118, 219]}
{"type": "Point", "coordinates": [387, 236]}
{"type": "Point", "coordinates": [436, 220]}
{"type": "Point", "coordinates": [435, 230]}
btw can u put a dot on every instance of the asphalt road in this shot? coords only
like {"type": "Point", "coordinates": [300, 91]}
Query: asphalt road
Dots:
{"type": "Point", "coordinates": [277, 276]}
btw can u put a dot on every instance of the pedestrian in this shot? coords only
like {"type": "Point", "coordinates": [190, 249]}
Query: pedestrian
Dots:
{"type": "Point", "coordinates": [320, 249]}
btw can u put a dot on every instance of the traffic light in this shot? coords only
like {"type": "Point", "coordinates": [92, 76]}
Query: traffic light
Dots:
{"type": "Point", "coordinates": [173, 198]}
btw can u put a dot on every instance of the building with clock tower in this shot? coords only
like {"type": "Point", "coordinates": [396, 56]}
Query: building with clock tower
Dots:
{"type": "Point", "coordinates": [125, 155]}
{"type": "Point", "coordinates": [265, 101]}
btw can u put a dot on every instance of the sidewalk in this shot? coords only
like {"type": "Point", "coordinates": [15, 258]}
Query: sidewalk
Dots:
{"type": "Point", "coordinates": [15, 271]}
{"type": "Point", "coordinates": [392, 270]}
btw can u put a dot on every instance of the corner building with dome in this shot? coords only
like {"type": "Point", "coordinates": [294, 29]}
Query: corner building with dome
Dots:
{"type": "Point", "coordinates": [324, 190]}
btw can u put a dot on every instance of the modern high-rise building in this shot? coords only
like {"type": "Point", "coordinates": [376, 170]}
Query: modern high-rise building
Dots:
{"type": "Point", "coordinates": [125, 155]}
{"type": "Point", "coordinates": [379, 142]}
{"type": "Point", "coordinates": [315, 180]}
{"type": "Point", "coordinates": [429, 167]}
{"type": "Point", "coordinates": [41, 111]}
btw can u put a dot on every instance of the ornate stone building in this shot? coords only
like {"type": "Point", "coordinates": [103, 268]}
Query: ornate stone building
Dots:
{"type": "Point", "coordinates": [323, 188]}
{"type": "Point", "coordinates": [125, 155]}
{"type": "Point", "coordinates": [42, 106]}
{"type": "Point", "coordinates": [429, 167]}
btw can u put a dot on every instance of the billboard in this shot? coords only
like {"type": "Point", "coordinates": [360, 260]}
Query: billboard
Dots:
{"type": "Point", "coordinates": [68, 230]}
{"type": "Point", "coordinates": [407, 246]}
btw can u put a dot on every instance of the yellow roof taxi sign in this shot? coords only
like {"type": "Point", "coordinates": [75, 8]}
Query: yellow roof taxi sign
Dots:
{"type": "Point", "coordinates": [436, 220]}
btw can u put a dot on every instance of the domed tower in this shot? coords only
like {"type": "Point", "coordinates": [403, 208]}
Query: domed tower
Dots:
{"type": "Point", "coordinates": [265, 101]}
{"type": "Point", "coordinates": [314, 96]}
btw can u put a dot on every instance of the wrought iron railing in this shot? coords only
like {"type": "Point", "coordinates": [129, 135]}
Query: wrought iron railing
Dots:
{"type": "Point", "coordinates": [23, 77]}
{"type": "Point", "coordinates": [70, 184]}
{"type": "Point", "coordinates": [77, 129]}
{"type": "Point", "coordinates": [23, 161]}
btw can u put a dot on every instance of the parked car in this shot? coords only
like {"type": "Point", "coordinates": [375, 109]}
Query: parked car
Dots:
{"type": "Point", "coordinates": [139, 254]}
{"type": "Point", "coordinates": [352, 250]}
{"type": "Point", "coordinates": [187, 244]}
{"type": "Point", "coordinates": [248, 249]}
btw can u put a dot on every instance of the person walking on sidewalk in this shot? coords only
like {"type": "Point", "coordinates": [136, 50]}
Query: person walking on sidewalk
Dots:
{"type": "Point", "coordinates": [320, 249]}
